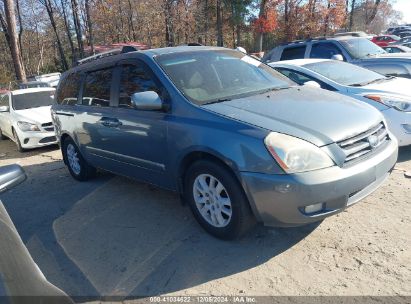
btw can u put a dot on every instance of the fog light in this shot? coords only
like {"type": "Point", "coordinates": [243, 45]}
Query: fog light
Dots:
{"type": "Point", "coordinates": [313, 208]}
{"type": "Point", "coordinates": [407, 128]}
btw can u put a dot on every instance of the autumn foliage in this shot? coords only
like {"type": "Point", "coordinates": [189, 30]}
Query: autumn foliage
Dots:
{"type": "Point", "coordinates": [266, 23]}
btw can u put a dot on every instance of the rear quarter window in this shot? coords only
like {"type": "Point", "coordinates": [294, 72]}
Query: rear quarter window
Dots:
{"type": "Point", "coordinates": [68, 90]}
{"type": "Point", "coordinates": [296, 52]}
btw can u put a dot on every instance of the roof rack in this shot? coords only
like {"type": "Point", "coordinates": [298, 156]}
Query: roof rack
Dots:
{"type": "Point", "coordinates": [305, 40]}
{"type": "Point", "coordinates": [124, 49]}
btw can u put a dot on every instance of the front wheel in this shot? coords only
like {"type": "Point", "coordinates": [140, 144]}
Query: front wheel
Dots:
{"type": "Point", "coordinates": [217, 200]}
{"type": "Point", "coordinates": [77, 165]}
{"type": "Point", "coordinates": [17, 141]}
{"type": "Point", "coordinates": [2, 137]}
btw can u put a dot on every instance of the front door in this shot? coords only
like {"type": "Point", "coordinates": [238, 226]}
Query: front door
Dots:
{"type": "Point", "coordinates": [138, 138]}
{"type": "Point", "coordinates": [5, 119]}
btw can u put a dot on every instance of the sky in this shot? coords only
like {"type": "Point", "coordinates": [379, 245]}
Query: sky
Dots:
{"type": "Point", "coordinates": [404, 6]}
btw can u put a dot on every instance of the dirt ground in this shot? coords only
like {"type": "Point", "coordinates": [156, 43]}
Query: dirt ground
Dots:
{"type": "Point", "coordinates": [115, 236]}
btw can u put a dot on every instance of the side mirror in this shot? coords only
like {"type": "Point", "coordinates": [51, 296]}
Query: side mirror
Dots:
{"type": "Point", "coordinates": [312, 84]}
{"type": "Point", "coordinates": [148, 100]}
{"type": "Point", "coordinates": [4, 109]}
{"type": "Point", "coordinates": [11, 176]}
{"type": "Point", "coordinates": [338, 57]}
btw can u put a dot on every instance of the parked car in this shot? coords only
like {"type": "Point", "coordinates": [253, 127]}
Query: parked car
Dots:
{"type": "Point", "coordinates": [385, 40]}
{"type": "Point", "coordinates": [397, 49]}
{"type": "Point", "coordinates": [390, 95]}
{"type": "Point", "coordinates": [354, 34]}
{"type": "Point", "coordinates": [393, 29]}
{"type": "Point", "coordinates": [402, 33]}
{"type": "Point", "coordinates": [21, 279]}
{"type": "Point", "coordinates": [234, 137]}
{"type": "Point", "coordinates": [52, 79]}
{"type": "Point", "coordinates": [358, 51]}
{"type": "Point", "coordinates": [33, 84]}
{"type": "Point", "coordinates": [25, 117]}
{"type": "Point", "coordinates": [406, 39]}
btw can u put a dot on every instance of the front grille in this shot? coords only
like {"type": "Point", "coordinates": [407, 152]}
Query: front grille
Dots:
{"type": "Point", "coordinates": [47, 139]}
{"type": "Point", "coordinates": [361, 145]}
{"type": "Point", "coordinates": [48, 126]}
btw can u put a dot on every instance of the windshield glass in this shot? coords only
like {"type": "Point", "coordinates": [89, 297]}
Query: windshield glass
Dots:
{"type": "Point", "coordinates": [32, 100]}
{"type": "Point", "coordinates": [361, 48]}
{"type": "Point", "coordinates": [344, 73]}
{"type": "Point", "coordinates": [211, 76]}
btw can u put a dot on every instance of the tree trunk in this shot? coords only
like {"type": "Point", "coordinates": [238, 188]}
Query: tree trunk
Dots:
{"type": "Point", "coordinates": [14, 46]}
{"type": "Point", "coordinates": [352, 15]}
{"type": "Point", "coordinates": [90, 26]}
{"type": "Point", "coordinates": [49, 9]}
{"type": "Point", "coordinates": [373, 12]}
{"type": "Point", "coordinates": [20, 30]}
{"type": "Point", "coordinates": [68, 32]}
{"type": "Point", "coordinates": [260, 35]}
{"type": "Point", "coordinates": [220, 41]}
{"type": "Point", "coordinates": [131, 22]}
{"type": "Point", "coordinates": [77, 27]}
{"type": "Point", "coordinates": [169, 23]}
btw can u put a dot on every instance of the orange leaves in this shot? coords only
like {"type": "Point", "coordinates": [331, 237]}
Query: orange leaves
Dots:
{"type": "Point", "coordinates": [266, 23]}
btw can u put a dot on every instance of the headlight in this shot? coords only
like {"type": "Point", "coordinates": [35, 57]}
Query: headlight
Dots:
{"type": "Point", "coordinates": [296, 155]}
{"type": "Point", "coordinates": [392, 101]}
{"type": "Point", "coordinates": [26, 126]}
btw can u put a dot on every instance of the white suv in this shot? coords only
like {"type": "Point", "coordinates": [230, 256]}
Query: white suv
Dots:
{"type": "Point", "coordinates": [25, 117]}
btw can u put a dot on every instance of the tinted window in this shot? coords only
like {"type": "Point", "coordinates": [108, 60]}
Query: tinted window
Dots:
{"type": "Point", "coordinates": [324, 50]}
{"type": "Point", "coordinates": [293, 53]}
{"type": "Point", "coordinates": [67, 92]}
{"type": "Point", "coordinates": [97, 88]}
{"type": "Point", "coordinates": [215, 76]}
{"type": "Point", "coordinates": [134, 79]}
{"type": "Point", "coordinates": [302, 78]}
{"type": "Point", "coordinates": [32, 100]}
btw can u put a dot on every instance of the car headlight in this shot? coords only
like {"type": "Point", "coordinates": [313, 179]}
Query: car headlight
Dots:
{"type": "Point", "coordinates": [27, 126]}
{"type": "Point", "coordinates": [392, 101]}
{"type": "Point", "coordinates": [296, 155]}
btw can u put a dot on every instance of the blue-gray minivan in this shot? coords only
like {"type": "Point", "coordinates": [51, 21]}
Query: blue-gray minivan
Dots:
{"type": "Point", "coordinates": [239, 141]}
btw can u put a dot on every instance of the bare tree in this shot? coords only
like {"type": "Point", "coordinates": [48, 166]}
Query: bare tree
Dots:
{"type": "Point", "coordinates": [14, 45]}
{"type": "Point", "coordinates": [89, 25]}
{"type": "Point", "coordinates": [220, 41]}
{"type": "Point", "coordinates": [49, 8]}
{"type": "Point", "coordinates": [77, 27]}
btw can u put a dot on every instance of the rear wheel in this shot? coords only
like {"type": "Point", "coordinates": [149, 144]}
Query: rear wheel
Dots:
{"type": "Point", "coordinates": [217, 200]}
{"type": "Point", "coordinates": [77, 165]}
{"type": "Point", "coordinates": [17, 141]}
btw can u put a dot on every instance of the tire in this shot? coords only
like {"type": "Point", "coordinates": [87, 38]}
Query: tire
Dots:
{"type": "Point", "coordinates": [225, 209]}
{"type": "Point", "coordinates": [2, 137]}
{"type": "Point", "coordinates": [76, 164]}
{"type": "Point", "coordinates": [17, 141]}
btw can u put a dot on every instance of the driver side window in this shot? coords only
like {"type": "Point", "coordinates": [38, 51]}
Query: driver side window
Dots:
{"type": "Point", "coordinates": [4, 100]}
{"type": "Point", "coordinates": [135, 79]}
{"type": "Point", "coordinates": [325, 50]}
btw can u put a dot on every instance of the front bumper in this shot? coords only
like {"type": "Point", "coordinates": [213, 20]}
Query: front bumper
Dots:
{"type": "Point", "coordinates": [31, 140]}
{"type": "Point", "coordinates": [399, 124]}
{"type": "Point", "coordinates": [279, 200]}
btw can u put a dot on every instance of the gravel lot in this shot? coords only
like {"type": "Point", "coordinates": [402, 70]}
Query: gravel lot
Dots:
{"type": "Point", "coordinates": [115, 236]}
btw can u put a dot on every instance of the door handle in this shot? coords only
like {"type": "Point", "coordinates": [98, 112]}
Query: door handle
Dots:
{"type": "Point", "coordinates": [110, 122]}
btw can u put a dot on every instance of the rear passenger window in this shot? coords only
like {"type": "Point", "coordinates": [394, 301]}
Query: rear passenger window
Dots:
{"type": "Point", "coordinates": [67, 92]}
{"type": "Point", "coordinates": [134, 79]}
{"type": "Point", "coordinates": [293, 53]}
{"type": "Point", "coordinates": [324, 50]}
{"type": "Point", "coordinates": [96, 90]}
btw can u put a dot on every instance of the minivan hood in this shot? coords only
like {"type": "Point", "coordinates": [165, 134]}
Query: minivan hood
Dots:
{"type": "Point", "coordinates": [315, 115]}
{"type": "Point", "coordinates": [38, 115]}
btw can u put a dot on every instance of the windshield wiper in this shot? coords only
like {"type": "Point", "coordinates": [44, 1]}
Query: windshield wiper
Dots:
{"type": "Point", "coordinates": [361, 84]}
{"type": "Point", "coordinates": [217, 101]}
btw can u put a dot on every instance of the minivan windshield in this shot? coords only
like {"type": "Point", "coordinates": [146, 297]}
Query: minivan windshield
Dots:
{"type": "Point", "coordinates": [360, 48]}
{"type": "Point", "coordinates": [345, 73]}
{"type": "Point", "coordinates": [32, 100]}
{"type": "Point", "coordinates": [209, 76]}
